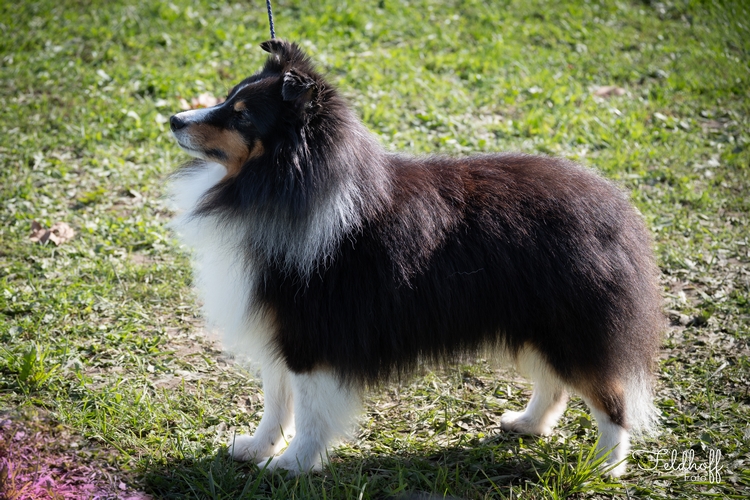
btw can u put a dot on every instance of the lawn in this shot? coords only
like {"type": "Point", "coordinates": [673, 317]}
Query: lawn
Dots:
{"type": "Point", "coordinates": [109, 386]}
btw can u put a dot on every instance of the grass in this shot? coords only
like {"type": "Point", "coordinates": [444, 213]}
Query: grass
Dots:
{"type": "Point", "coordinates": [108, 388]}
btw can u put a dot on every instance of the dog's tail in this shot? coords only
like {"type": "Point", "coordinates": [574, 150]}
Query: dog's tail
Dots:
{"type": "Point", "coordinates": [640, 413]}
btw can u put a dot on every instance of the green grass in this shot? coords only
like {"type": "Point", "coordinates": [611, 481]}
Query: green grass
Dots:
{"type": "Point", "coordinates": [104, 372]}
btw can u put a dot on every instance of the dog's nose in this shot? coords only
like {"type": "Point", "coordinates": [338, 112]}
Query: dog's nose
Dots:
{"type": "Point", "coordinates": [176, 123]}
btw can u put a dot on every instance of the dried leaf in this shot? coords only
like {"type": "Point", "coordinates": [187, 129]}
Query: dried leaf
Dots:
{"type": "Point", "coordinates": [609, 91]}
{"type": "Point", "coordinates": [713, 124]}
{"type": "Point", "coordinates": [59, 233]}
{"type": "Point", "coordinates": [204, 100]}
{"type": "Point", "coordinates": [38, 233]}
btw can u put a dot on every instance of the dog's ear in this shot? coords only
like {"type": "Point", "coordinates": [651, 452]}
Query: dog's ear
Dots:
{"type": "Point", "coordinates": [275, 46]}
{"type": "Point", "coordinates": [284, 52]}
{"type": "Point", "coordinates": [297, 85]}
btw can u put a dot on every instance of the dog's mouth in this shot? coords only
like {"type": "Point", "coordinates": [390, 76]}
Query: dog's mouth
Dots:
{"type": "Point", "coordinates": [188, 148]}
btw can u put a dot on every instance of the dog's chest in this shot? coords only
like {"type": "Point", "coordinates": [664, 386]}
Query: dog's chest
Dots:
{"type": "Point", "coordinates": [223, 276]}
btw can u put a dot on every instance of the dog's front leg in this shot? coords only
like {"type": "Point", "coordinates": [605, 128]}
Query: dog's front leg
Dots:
{"type": "Point", "coordinates": [324, 408]}
{"type": "Point", "coordinates": [277, 420]}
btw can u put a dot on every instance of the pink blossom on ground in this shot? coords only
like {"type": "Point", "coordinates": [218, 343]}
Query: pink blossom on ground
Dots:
{"type": "Point", "coordinates": [35, 464]}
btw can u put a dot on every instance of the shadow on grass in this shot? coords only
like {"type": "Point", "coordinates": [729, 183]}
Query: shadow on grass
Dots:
{"type": "Point", "coordinates": [486, 469]}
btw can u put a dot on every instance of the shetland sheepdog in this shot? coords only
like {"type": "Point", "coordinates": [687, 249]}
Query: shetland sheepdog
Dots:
{"type": "Point", "coordinates": [336, 265]}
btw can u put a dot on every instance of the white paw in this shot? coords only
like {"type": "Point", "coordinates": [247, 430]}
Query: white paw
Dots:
{"type": "Point", "coordinates": [293, 466]}
{"type": "Point", "coordinates": [246, 448]}
{"type": "Point", "coordinates": [617, 471]}
{"type": "Point", "coordinates": [520, 422]}
{"type": "Point", "coordinates": [617, 458]}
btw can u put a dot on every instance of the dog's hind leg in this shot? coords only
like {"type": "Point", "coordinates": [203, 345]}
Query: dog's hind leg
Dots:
{"type": "Point", "coordinates": [324, 408]}
{"type": "Point", "coordinates": [606, 400]}
{"type": "Point", "coordinates": [277, 420]}
{"type": "Point", "coordinates": [548, 398]}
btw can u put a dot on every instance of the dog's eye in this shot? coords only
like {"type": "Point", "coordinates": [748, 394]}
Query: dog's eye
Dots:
{"type": "Point", "coordinates": [244, 116]}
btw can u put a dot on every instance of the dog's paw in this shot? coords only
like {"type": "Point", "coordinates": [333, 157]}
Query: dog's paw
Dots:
{"type": "Point", "coordinates": [616, 471]}
{"type": "Point", "coordinates": [292, 467]}
{"type": "Point", "coordinates": [294, 460]}
{"type": "Point", "coordinates": [520, 422]}
{"type": "Point", "coordinates": [246, 448]}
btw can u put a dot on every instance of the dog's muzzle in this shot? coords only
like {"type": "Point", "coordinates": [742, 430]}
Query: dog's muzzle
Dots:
{"type": "Point", "coordinates": [176, 123]}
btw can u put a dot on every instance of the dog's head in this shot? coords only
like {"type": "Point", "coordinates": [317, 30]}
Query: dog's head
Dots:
{"type": "Point", "coordinates": [258, 112]}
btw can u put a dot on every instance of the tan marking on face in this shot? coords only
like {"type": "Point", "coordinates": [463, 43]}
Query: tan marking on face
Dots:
{"type": "Point", "coordinates": [239, 106]}
{"type": "Point", "coordinates": [229, 142]}
{"type": "Point", "coordinates": [257, 150]}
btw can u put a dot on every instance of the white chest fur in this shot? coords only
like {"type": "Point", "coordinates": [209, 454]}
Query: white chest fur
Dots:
{"type": "Point", "coordinates": [223, 274]}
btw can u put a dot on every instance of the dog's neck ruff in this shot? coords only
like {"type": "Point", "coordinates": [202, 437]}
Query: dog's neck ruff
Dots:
{"type": "Point", "coordinates": [297, 241]}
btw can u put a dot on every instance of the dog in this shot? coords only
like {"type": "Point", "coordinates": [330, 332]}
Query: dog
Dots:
{"type": "Point", "coordinates": [337, 265]}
